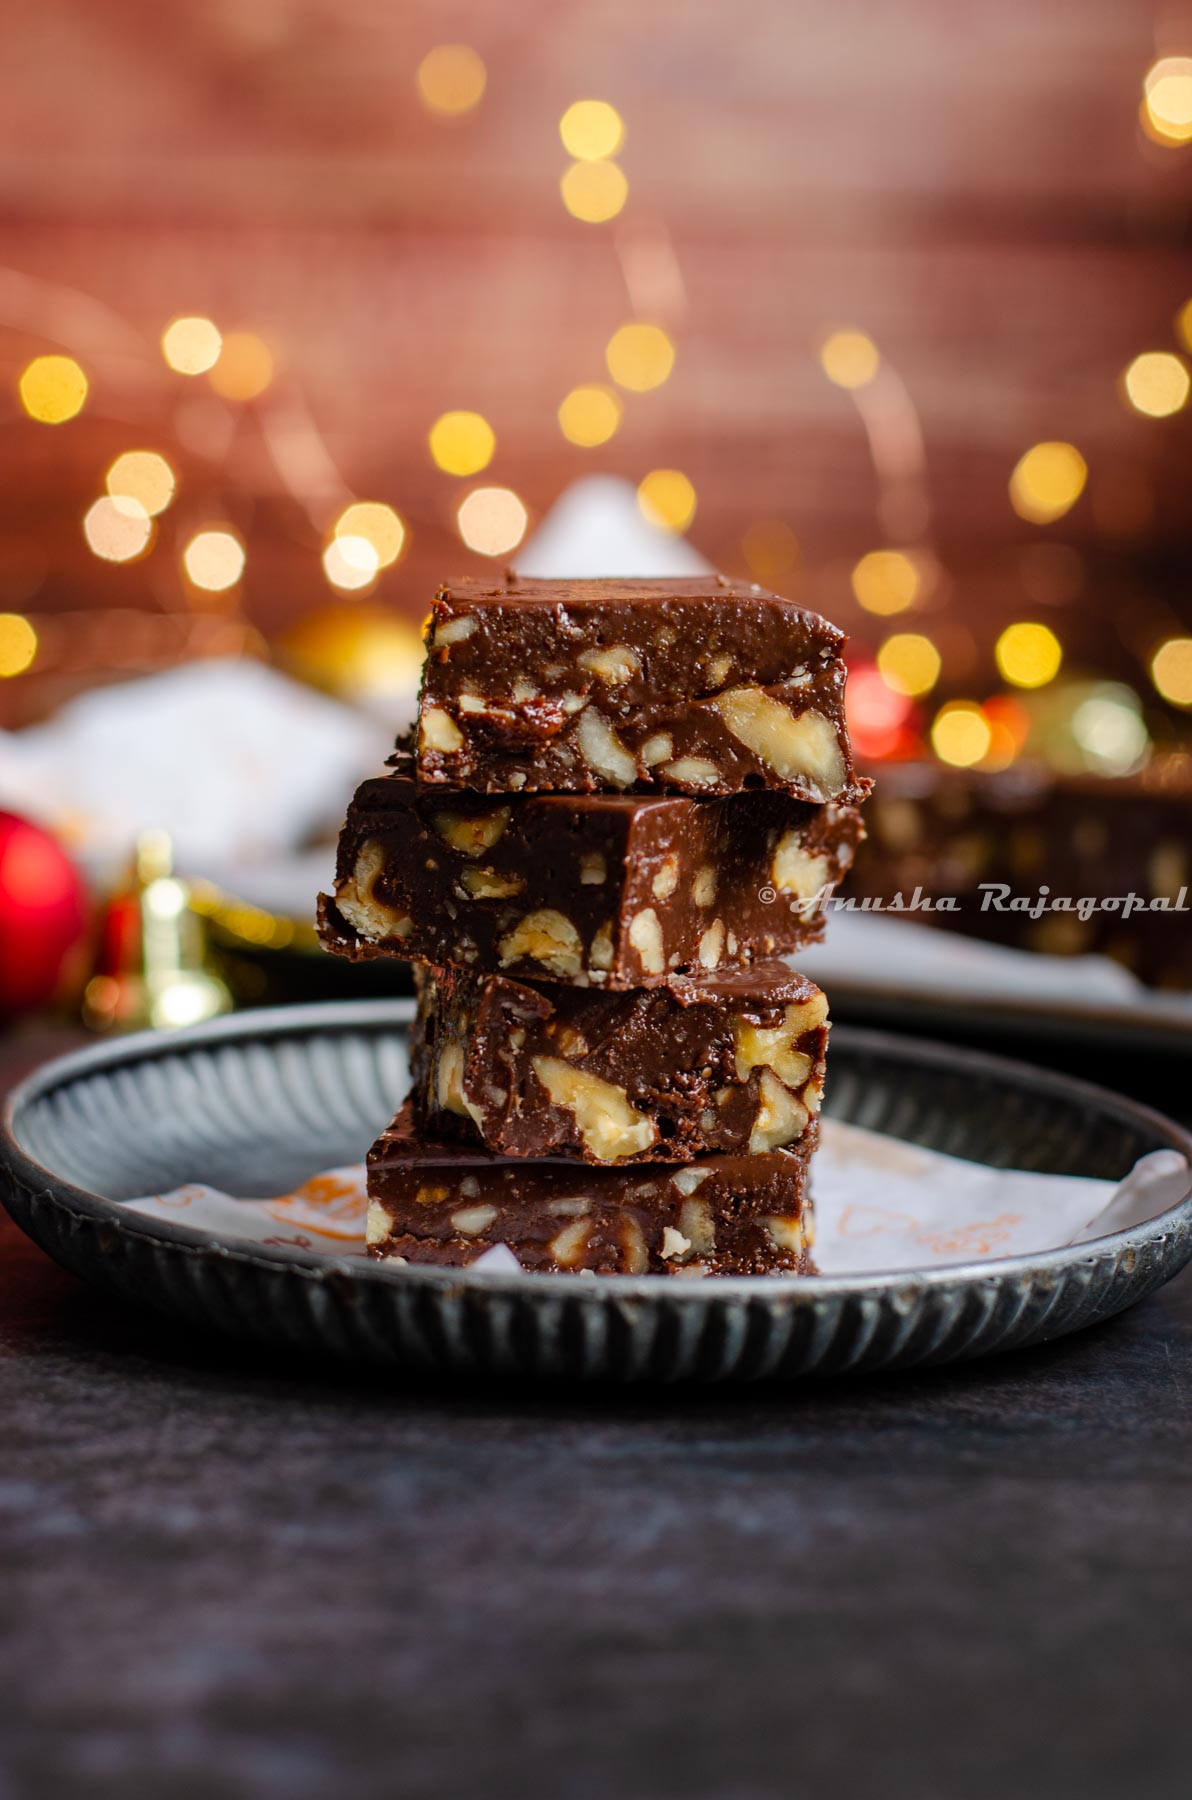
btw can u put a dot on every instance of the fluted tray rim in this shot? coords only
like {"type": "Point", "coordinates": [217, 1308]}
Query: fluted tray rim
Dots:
{"type": "Point", "coordinates": [379, 1015]}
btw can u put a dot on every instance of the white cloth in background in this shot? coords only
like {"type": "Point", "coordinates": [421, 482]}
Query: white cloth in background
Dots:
{"type": "Point", "coordinates": [235, 761]}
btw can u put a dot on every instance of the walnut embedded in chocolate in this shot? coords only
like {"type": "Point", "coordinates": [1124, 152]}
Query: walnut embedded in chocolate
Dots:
{"type": "Point", "coordinates": [722, 1064]}
{"type": "Point", "coordinates": [700, 687]}
{"type": "Point", "coordinates": [724, 1215]}
{"type": "Point", "coordinates": [610, 890]}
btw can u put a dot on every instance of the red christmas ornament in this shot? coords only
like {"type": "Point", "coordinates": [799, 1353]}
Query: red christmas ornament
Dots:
{"type": "Point", "coordinates": [43, 913]}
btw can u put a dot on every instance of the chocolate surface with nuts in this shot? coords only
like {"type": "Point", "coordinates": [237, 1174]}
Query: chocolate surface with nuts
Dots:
{"type": "Point", "coordinates": [699, 687]}
{"type": "Point", "coordinates": [603, 890]}
{"type": "Point", "coordinates": [727, 1215]}
{"type": "Point", "coordinates": [722, 1064]}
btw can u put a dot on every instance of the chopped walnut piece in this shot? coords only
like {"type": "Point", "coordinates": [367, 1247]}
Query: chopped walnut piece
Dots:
{"type": "Point", "coordinates": [568, 1246]}
{"type": "Point", "coordinates": [799, 747]}
{"type": "Point", "coordinates": [656, 749]}
{"type": "Point", "coordinates": [795, 871]}
{"type": "Point", "coordinates": [697, 1226]}
{"type": "Point", "coordinates": [471, 834]}
{"type": "Point", "coordinates": [545, 937]}
{"type": "Point", "coordinates": [449, 1084]}
{"type": "Point", "coordinates": [470, 1221]}
{"type": "Point", "coordinates": [719, 670]}
{"type": "Point", "coordinates": [615, 666]}
{"type": "Point", "coordinates": [438, 731]}
{"type": "Point", "coordinates": [703, 888]}
{"type": "Point", "coordinates": [711, 945]}
{"type": "Point", "coordinates": [593, 870]}
{"type": "Point", "coordinates": [645, 934]}
{"type": "Point", "coordinates": [609, 1127]}
{"type": "Point", "coordinates": [693, 771]}
{"type": "Point", "coordinates": [486, 884]}
{"type": "Point", "coordinates": [357, 901]}
{"type": "Point", "coordinates": [773, 1046]}
{"type": "Point", "coordinates": [635, 1258]}
{"type": "Point", "coordinates": [673, 1244]}
{"type": "Point", "coordinates": [454, 631]}
{"type": "Point", "coordinates": [600, 951]}
{"type": "Point", "coordinates": [603, 750]}
{"type": "Point", "coordinates": [378, 1227]}
{"type": "Point", "coordinates": [688, 1179]}
{"type": "Point", "coordinates": [780, 1117]}
{"type": "Point", "coordinates": [786, 1234]}
{"type": "Point", "coordinates": [667, 879]}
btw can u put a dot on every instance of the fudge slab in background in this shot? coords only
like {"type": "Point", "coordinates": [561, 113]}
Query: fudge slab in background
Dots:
{"type": "Point", "coordinates": [729, 1065]}
{"type": "Point", "coordinates": [605, 890]}
{"type": "Point", "coordinates": [948, 831]}
{"type": "Point", "coordinates": [725, 1215]}
{"type": "Point", "coordinates": [698, 687]}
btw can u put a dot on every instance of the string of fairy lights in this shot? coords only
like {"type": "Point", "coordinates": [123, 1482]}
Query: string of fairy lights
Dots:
{"type": "Point", "coordinates": [890, 582]}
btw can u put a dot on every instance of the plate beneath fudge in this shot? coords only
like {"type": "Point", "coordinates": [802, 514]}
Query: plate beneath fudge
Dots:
{"type": "Point", "coordinates": [261, 1100]}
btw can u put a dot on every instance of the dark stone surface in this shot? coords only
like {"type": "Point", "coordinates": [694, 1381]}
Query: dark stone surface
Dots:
{"type": "Point", "coordinates": [222, 1574]}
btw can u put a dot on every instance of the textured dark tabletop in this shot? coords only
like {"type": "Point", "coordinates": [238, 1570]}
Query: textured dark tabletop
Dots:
{"type": "Point", "coordinates": [221, 1574]}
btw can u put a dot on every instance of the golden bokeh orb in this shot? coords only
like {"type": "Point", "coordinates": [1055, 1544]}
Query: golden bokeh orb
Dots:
{"type": "Point", "coordinates": [378, 524]}
{"type": "Point", "coordinates": [640, 357]}
{"type": "Point", "coordinates": [886, 581]}
{"type": "Point", "coordinates": [451, 79]}
{"type": "Point", "coordinates": [117, 528]}
{"type": "Point", "coordinates": [909, 663]}
{"type": "Point", "coordinates": [1047, 481]}
{"type": "Point", "coordinates": [350, 562]}
{"type": "Point", "coordinates": [1028, 654]}
{"type": "Point", "coordinates": [462, 443]}
{"type": "Point", "coordinates": [143, 476]}
{"type": "Point", "coordinates": [191, 345]}
{"type": "Point", "coordinates": [214, 560]}
{"type": "Point", "coordinates": [667, 498]}
{"type": "Point", "coordinates": [1167, 100]}
{"type": "Point", "coordinates": [594, 192]}
{"type": "Point", "coordinates": [18, 644]}
{"type": "Point", "coordinates": [1157, 383]}
{"type": "Point", "coordinates": [961, 734]}
{"type": "Point", "coordinates": [591, 129]}
{"type": "Point", "coordinates": [850, 359]}
{"type": "Point", "coordinates": [1171, 670]}
{"type": "Point", "coordinates": [589, 416]}
{"type": "Point", "coordinates": [245, 366]}
{"type": "Point", "coordinates": [492, 521]}
{"type": "Point", "coordinates": [52, 389]}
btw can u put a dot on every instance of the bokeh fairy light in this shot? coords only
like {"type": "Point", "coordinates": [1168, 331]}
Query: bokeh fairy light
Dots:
{"type": "Point", "coordinates": [640, 356]}
{"type": "Point", "coordinates": [191, 345]}
{"type": "Point", "coordinates": [462, 443]}
{"type": "Point", "coordinates": [667, 498]}
{"type": "Point", "coordinates": [214, 560]}
{"type": "Point", "coordinates": [53, 389]}
{"type": "Point", "coordinates": [492, 521]}
{"type": "Point", "coordinates": [143, 476]}
{"type": "Point", "coordinates": [451, 80]}
{"type": "Point", "coordinates": [18, 645]}
{"type": "Point", "coordinates": [589, 416]}
{"type": "Point", "coordinates": [1047, 481]}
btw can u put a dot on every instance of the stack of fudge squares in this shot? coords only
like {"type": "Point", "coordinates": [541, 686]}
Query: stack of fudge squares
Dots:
{"type": "Point", "coordinates": [626, 803]}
